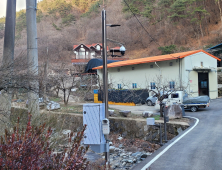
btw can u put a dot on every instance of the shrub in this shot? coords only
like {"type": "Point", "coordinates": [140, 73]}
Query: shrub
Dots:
{"type": "Point", "coordinates": [68, 19]}
{"type": "Point", "coordinates": [30, 149]}
{"type": "Point", "coordinates": [56, 27]}
{"type": "Point", "coordinates": [167, 49]}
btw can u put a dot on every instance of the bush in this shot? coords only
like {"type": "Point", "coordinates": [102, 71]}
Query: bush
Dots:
{"type": "Point", "coordinates": [56, 27]}
{"type": "Point", "coordinates": [68, 19]}
{"type": "Point", "coordinates": [30, 149]}
{"type": "Point", "coordinates": [167, 49]}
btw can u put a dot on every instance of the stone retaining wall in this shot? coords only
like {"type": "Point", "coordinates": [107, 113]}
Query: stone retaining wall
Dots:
{"type": "Point", "coordinates": [126, 127]}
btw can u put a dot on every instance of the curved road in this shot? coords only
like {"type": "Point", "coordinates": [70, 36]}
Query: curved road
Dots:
{"type": "Point", "coordinates": [200, 149]}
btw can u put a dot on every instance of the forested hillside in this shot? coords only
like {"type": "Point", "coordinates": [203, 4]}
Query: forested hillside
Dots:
{"type": "Point", "coordinates": [166, 26]}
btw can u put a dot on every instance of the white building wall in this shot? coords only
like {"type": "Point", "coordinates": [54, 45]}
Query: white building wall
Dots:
{"type": "Point", "coordinates": [143, 74]}
{"type": "Point", "coordinates": [195, 60]}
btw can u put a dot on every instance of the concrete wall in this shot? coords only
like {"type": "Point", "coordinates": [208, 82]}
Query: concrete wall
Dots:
{"type": "Point", "coordinates": [126, 127]}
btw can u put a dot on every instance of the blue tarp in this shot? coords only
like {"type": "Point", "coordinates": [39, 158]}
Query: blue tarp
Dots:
{"type": "Point", "coordinates": [196, 100]}
{"type": "Point", "coordinates": [95, 63]}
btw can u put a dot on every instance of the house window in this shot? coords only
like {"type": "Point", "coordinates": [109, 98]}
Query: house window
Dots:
{"type": "Point", "coordinates": [98, 47]}
{"type": "Point", "coordinates": [171, 63]}
{"type": "Point", "coordinates": [119, 86]}
{"type": "Point", "coordinates": [152, 85]}
{"type": "Point", "coordinates": [82, 51]}
{"type": "Point", "coordinates": [134, 85]}
{"type": "Point", "coordinates": [201, 64]}
{"type": "Point", "coordinates": [151, 66]}
{"type": "Point", "coordinates": [133, 68]}
{"type": "Point", "coordinates": [172, 84]}
{"type": "Point", "coordinates": [118, 69]}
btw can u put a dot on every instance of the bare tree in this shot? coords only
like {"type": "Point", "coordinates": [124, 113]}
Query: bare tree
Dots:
{"type": "Point", "coordinates": [163, 87]}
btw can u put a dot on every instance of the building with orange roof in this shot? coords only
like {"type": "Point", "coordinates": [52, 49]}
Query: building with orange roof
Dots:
{"type": "Point", "coordinates": [195, 70]}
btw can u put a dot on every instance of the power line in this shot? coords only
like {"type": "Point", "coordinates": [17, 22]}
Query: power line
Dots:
{"type": "Point", "coordinates": [140, 23]}
{"type": "Point", "coordinates": [143, 26]}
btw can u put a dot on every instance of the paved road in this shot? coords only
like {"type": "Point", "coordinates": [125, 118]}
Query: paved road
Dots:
{"type": "Point", "coordinates": [200, 149]}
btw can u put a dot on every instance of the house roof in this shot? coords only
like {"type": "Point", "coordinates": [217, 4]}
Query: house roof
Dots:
{"type": "Point", "coordinates": [88, 46]}
{"type": "Point", "coordinates": [215, 47]}
{"type": "Point", "coordinates": [155, 59]}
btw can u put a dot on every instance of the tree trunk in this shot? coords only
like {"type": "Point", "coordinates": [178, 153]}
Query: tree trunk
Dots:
{"type": "Point", "coordinates": [161, 110]}
{"type": "Point", "coordinates": [218, 1]}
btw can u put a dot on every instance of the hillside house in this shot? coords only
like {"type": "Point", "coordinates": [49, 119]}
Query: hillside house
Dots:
{"type": "Point", "coordinates": [84, 53]}
{"type": "Point", "coordinates": [195, 69]}
{"type": "Point", "coordinates": [216, 51]}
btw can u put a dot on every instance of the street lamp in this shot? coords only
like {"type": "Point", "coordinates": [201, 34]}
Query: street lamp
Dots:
{"type": "Point", "coordinates": [105, 75]}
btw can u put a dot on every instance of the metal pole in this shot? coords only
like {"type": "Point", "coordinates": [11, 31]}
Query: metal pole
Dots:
{"type": "Point", "coordinates": [32, 56]}
{"type": "Point", "coordinates": [165, 132]}
{"type": "Point", "coordinates": [105, 76]}
{"type": "Point", "coordinates": [8, 53]}
{"type": "Point", "coordinates": [161, 143]}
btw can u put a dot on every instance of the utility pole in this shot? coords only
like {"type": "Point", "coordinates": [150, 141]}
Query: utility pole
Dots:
{"type": "Point", "coordinates": [105, 77]}
{"type": "Point", "coordinates": [8, 55]}
{"type": "Point", "coordinates": [32, 56]}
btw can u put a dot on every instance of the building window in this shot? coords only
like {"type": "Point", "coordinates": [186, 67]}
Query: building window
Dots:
{"type": "Point", "coordinates": [172, 84]}
{"type": "Point", "coordinates": [201, 64]}
{"type": "Point", "coordinates": [171, 63]}
{"type": "Point", "coordinates": [133, 68]}
{"type": "Point", "coordinates": [119, 86]}
{"type": "Point", "coordinates": [151, 66]}
{"type": "Point", "coordinates": [118, 69]}
{"type": "Point", "coordinates": [134, 85]}
{"type": "Point", "coordinates": [152, 85]}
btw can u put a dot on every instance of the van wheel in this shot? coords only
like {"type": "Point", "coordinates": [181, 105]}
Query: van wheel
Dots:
{"type": "Point", "coordinates": [193, 109]}
{"type": "Point", "coordinates": [149, 103]}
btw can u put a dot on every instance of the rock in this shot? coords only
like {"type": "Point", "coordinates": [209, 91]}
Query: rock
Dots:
{"type": "Point", "coordinates": [122, 154]}
{"type": "Point", "coordinates": [112, 149]}
{"type": "Point", "coordinates": [179, 130]}
{"type": "Point", "coordinates": [143, 156]}
{"type": "Point", "coordinates": [124, 113]}
{"type": "Point", "coordinates": [111, 112]}
{"type": "Point", "coordinates": [121, 146]}
{"type": "Point", "coordinates": [149, 153]}
{"type": "Point", "coordinates": [174, 111]}
{"type": "Point", "coordinates": [130, 161]}
{"type": "Point", "coordinates": [53, 105]}
{"type": "Point", "coordinates": [119, 138]}
{"type": "Point", "coordinates": [136, 153]}
{"type": "Point", "coordinates": [147, 114]}
{"type": "Point", "coordinates": [66, 132]}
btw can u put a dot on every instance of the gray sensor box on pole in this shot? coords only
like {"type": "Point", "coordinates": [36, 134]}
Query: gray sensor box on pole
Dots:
{"type": "Point", "coordinates": [93, 115]}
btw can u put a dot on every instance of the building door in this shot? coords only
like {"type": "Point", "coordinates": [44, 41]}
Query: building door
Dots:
{"type": "Point", "coordinates": [203, 84]}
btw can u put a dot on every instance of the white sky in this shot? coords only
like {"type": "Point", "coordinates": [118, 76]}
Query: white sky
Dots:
{"type": "Point", "coordinates": [20, 4]}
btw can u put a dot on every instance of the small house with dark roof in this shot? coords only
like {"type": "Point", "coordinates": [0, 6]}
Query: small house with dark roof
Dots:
{"type": "Point", "coordinates": [216, 51]}
{"type": "Point", "coordinates": [196, 70]}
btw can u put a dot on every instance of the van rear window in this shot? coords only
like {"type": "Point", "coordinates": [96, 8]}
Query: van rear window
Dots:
{"type": "Point", "coordinates": [176, 95]}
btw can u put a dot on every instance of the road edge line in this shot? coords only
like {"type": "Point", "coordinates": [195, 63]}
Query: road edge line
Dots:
{"type": "Point", "coordinates": [169, 146]}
